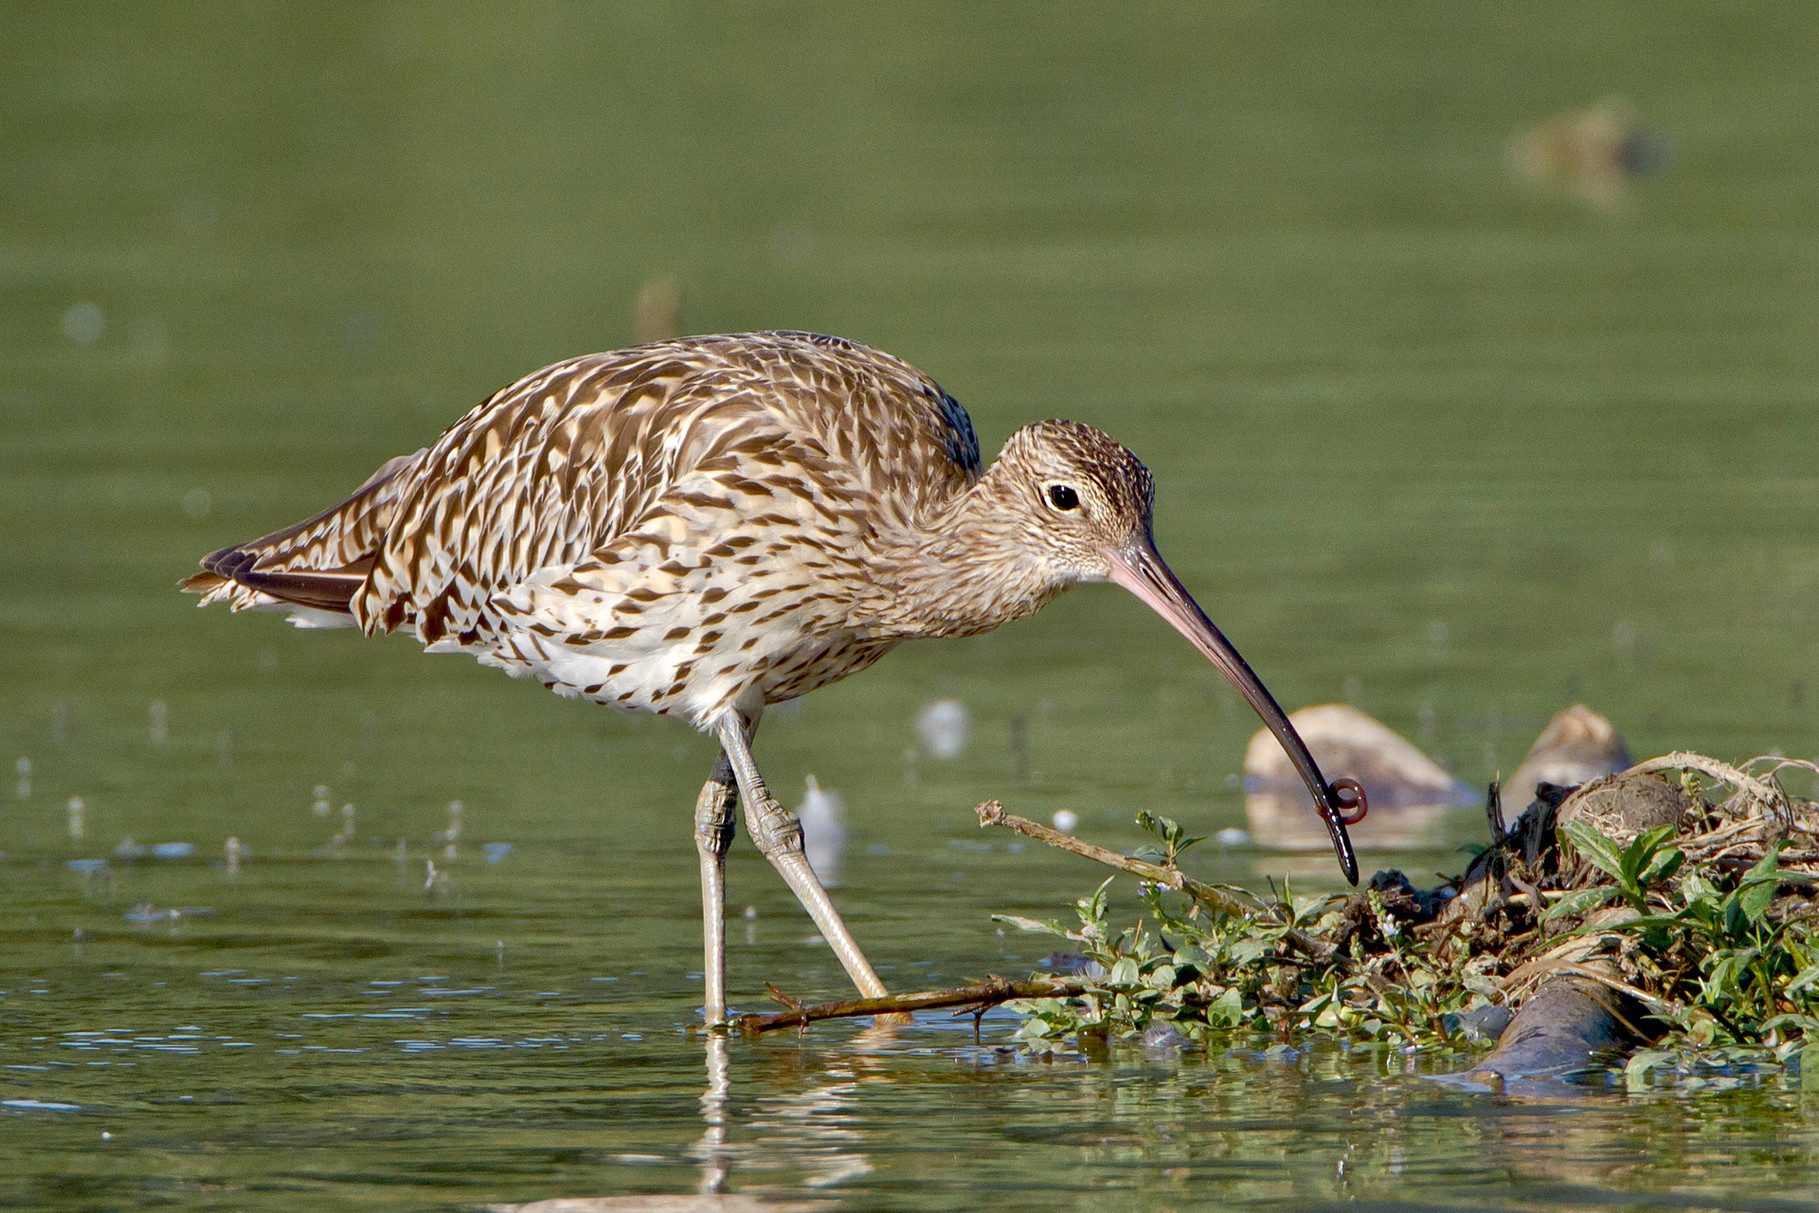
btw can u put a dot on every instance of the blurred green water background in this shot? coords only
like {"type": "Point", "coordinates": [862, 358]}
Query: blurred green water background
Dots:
{"type": "Point", "coordinates": [1457, 450]}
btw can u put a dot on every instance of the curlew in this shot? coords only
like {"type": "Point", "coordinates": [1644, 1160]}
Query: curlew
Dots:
{"type": "Point", "coordinates": [704, 527]}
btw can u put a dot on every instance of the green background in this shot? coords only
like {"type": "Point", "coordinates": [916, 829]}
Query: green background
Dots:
{"type": "Point", "coordinates": [1426, 440]}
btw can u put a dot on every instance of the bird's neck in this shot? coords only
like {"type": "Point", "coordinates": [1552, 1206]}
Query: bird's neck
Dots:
{"type": "Point", "coordinates": [966, 569]}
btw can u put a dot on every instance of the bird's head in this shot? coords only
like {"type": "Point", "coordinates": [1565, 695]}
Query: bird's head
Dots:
{"type": "Point", "coordinates": [1075, 496]}
{"type": "Point", "coordinates": [1079, 502]}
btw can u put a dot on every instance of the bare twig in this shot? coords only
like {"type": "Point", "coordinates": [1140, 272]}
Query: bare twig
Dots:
{"type": "Point", "coordinates": [992, 813]}
{"type": "Point", "coordinates": [985, 994]}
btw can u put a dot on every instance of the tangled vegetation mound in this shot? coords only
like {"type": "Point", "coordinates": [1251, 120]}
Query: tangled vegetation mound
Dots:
{"type": "Point", "coordinates": [1672, 901]}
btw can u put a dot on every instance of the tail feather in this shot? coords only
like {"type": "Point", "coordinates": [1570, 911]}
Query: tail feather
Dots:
{"type": "Point", "coordinates": [324, 589]}
{"type": "Point", "coordinates": [318, 565]}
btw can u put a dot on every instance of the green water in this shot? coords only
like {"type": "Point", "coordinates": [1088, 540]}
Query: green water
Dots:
{"type": "Point", "coordinates": [1425, 440]}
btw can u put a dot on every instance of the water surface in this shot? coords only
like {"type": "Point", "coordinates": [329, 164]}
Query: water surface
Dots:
{"type": "Point", "coordinates": [1425, 441]}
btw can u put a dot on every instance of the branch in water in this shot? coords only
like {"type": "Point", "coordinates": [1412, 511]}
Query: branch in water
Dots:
{"type": "Point", "coordinates": [991, 813]}
{"type": "Point", "coordinates": [975, 997]}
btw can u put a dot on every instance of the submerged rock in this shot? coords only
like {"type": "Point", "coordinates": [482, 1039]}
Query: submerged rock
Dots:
{"type": "Point", "coordinates": [1409, 793]}
{"type": "Point", "coordinates": [1567, 1026]}
{"type": "Point", "coordinates": [1480, 1023]}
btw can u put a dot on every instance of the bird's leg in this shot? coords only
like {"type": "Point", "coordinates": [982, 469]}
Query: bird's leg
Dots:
{"type": "Point", "coordinates": [779, 836]}
{"type": "Point", "coordinates": [714, 826]}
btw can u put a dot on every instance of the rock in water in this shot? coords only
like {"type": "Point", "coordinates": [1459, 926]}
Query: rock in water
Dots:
{"type": "Point", "coordinates": [1409, 793]}
{"type": "Point", "coordinates": [1593, 154]}
{"type": "Point", "coordinates": [1577, 746]}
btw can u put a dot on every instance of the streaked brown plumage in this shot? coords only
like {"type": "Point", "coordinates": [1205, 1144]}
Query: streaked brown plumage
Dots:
{"type": "Point", "coordinates": [702, 527]}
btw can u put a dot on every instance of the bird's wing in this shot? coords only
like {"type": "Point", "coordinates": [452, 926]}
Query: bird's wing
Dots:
{"type": "Point", "coordinates": [896, 433]}
{"type": "Point", "coordinates": [536, 474]}
{"type": "Point", "coordinates": [564, 462]}
{"type": "Point", "coordinates": [543, 473]}
{"type": "Point", "coordinates": [559, 464]}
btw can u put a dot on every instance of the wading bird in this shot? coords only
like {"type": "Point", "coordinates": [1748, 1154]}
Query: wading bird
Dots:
{"type": "Point", "coordinates": [704, 527]}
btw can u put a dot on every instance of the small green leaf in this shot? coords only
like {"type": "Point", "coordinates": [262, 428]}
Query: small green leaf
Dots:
{"type": "Point", "coordinates": [1756, 891]}
{"type": "Point", "coordinates": [1193, 954]}
{"type": "Point", "coordinates": [1226, 1011]}
{"type": "Point", "coordinates": [1767, 866]}
{"type": "Point", "coordinates": [1637, 857]}
{"type": "Point", "coordinates": [1643, 846]}
{"type": "Point", "coordinates": [1641, 1062]}
{"type": "Point", "coordinates": [1031, 924]}
{"type": "Point", "coordinates": [1247, 950]}
{"type": "Point", "coordinates": [1596, 848]}
{"type": "Point", "coordinates": [1580, 901]}
{"type": "Point", "coordinates": [1163, 977]}
{"type": "Point", "coordinates": [1662, 867]}
{"type": "Point", "coordinates": [1092, 909]}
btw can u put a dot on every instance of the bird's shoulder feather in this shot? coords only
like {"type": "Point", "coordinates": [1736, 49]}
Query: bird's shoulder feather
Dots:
{"type": "Point", "coordinates": [562, 462]}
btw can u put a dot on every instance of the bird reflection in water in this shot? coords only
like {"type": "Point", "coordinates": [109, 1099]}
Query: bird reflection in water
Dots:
{"type": "Point", "coordinates": [806, 1129]}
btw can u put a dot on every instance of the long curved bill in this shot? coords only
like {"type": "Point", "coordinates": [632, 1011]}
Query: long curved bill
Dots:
{"type": "Point", "coordinates": [1139, 569]}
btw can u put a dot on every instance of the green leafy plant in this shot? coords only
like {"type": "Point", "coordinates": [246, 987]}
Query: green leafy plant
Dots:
{"type": "Point", "coordinates": [1204, 972]}
{"type": "Point", "coordinates": [1168, 831]}
{"type": "Point", "coordinates": [1648, 860]}
{"type": "Point", "coordinates": [1709, 925]}
{"type": "Point", "coordinates": [1735, 967]}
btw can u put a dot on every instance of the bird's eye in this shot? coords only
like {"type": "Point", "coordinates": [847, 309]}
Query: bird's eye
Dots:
{"type": "Point", "coordinates": [1062, 497]}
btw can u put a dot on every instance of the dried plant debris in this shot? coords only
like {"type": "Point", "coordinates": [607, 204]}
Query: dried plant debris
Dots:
{"type": "Point", "coordinates": [1677, 896]}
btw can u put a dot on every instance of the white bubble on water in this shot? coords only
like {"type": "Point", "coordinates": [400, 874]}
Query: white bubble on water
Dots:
{"type": "Point", "coordinates": [1065, 820]}
{"type": "Point", "coordinates": [823, 817]}
{"type": "Point", "coordinates": [83, 323]}
{"type": "Point", "coordinates": [943, 726]}
{"type": "Point", "coordinates": [452, 835]}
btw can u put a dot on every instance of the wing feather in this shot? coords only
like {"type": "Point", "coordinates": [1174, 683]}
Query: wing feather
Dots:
{"type": "Point", "coordinates": [558, 464]}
